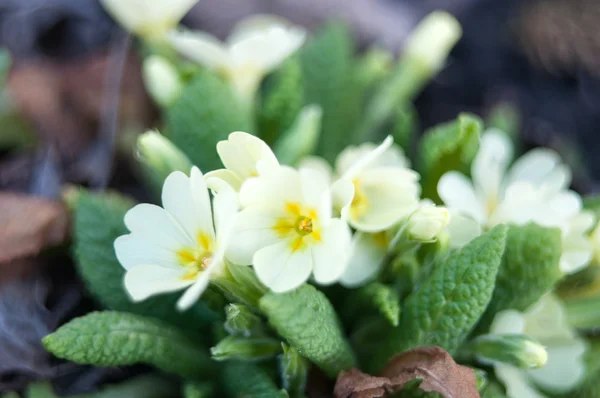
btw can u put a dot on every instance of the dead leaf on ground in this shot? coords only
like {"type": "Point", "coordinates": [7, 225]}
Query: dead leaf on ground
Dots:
{"type": "Point", "coordinates": [433, 365]}
{"type": "Point", "coordinates": [29, 224]}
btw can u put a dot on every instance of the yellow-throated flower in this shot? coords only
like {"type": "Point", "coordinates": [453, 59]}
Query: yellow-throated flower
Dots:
{"type": "Point", "coordinates": [148, 18]}
{"type": "Point", "coordinates": [286, 230]}
{"type": "Point", "coordinates": [243, 156]}
{"type": "Point", "coordinates": [256, 46]}
{"type": "Point", "coordinates": [178, 245]}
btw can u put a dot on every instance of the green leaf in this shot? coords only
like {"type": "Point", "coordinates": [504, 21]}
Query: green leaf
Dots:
{"type": "Point", "coordinates": [374, 297]}
{"type": "Point", "coordinates": [493, 390]}
{"type": "Point", "coordinates": [449, 146]}
{"type": "Point", "coordinates": [240, 284]}
{"type": "Point", "coordinates": [307, 320]}
{"type": "Point", "coordinates": [589, 388]}
{"type": "Point", "coordinates": [592, 202]}
{"type": "Point", "coordinates": [245, 348]}
{"type": "Point", "coordinates": [506, 118]}
{"type": "Point", "coordinates": [283, 99]}
{"type": "Point", "coordinates": [405, 127]}
{"type": "Point", "coordinates": [241, 321]}
{"type": "Point", "coordinates": [206, 113]}
{"type": "Point", "coordinates": [98, 222]}
{"type": "Point", "coordinates": [294, 371]}
{"type": "Point", "coordinates": [117, 339]}
{"type": "Point", "coordinates": [301, 139]}
{"type": "Point", "coordinates": [529, 269]}
{"type": "Point", "coordinates": [197, 390]}
{"type": "Point", "coordinates": [244, 380]}
{"type": "Point", "coordinates": [445, 307]}
{"type": "Point", "coordinates": [330, 81]}
{"type": "Point", "coordinates": [146, 386]}
{"type": "Point", "coordinates": [582, 312]}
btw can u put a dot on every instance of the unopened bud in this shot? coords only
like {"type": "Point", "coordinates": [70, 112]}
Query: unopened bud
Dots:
{"type": "Point", "coordinates": [427, 222]}
{"type": "Point", "coordinates": [242, 348]}
{"type": "Point", "coordinates": [162, 80]}
{"type": "Point", "coordinates": [517, 350]}
{"type": "Point", "coordinates": [241, 321]}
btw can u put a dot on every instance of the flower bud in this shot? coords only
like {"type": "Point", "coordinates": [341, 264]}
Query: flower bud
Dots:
{"type": "Point", "coordinates": [254, 348]}
{"type": "Point", "coordinates": [427, 222]}
{"type": "Point", "coordinates": [162, 80]}
{"type": "Point", "coordinates": [517, 350]}
{"type": "Point", "coordinates": [431, 42]}
{"type": "Point", "coordinates": [241, 321]}
{"type": "Point", "coordinates": [160, 157]}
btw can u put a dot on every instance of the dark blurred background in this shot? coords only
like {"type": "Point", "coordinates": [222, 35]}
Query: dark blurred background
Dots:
{"type": "Point", "coordinates": [542, 56]}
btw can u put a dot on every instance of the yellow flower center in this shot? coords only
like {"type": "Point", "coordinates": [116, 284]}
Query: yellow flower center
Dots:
{"type": "Point", "coordinates": [196, 259]}
{"type": "Point", "coordinates": [299, 224]}
{"type": "Point", "coordinates": [360, 203]}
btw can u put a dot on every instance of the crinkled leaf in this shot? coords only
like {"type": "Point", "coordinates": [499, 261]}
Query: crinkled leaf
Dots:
{"type": "Point", "coordinates": [374, 297]}
{"type": "Point", "coordinates": [437, 370]}
{"type": "Point", "coordinates": [330, 81]}
{"type": "Point", "coordinates": [307, 320]}
{"type": "Point", "coordinates": [283, 99]}
{"type": "Point", "coordinates": [449, 302]}
{"type": "Point", "coordinates": [98, 222]}
{"type": "Point", "coordinates": [529, 269]}
{"type": "Point", "coordinates": [116, 339]}
{"type": "Point", "coordinates": [449, 146]}
{"type": "Point", "coordinates": [294, 371]}
{"type": "Point", "coordinates": [245, 348]}
{"type": "Point", "coordinates": [206, 112]}
{"type": "Point", "coordinates": [243, 379]}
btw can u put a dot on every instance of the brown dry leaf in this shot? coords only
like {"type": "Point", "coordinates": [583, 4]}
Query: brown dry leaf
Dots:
{"type": "Point", "coordinates": [28, 225]}
{"type": "Point", "coordinates": [436, 368]}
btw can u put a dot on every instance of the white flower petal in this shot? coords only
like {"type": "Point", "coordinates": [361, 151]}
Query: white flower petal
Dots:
{"type": "Point", "coordinates": [458, 193]}
{"type": "Point", "coordinates": [508, 322]}
{"type": "Point", "coordinates": [241, 152]}
{"type": "Point", "coordinates": [156, 225]}
{"type": "Point", "coordinates": [225, 206]}
{"type": "Point", "coordinates": [343, 193]}
{"type": "Point", "coordinates": [316, 192]}
{"type": "Point", "coordinates": [385, 196]}
{"type": "Point", "coordinates": [541, 167]}
{"type": "Point", "coordinates": [317, 163]}
{"type": "Point", "coordinates": [565, 368]}
{"type": "Point", "coordinates": [133, 250]}
{"type": "Point", "coordinates": [193, 293]}
{"type": "Point", "coordinates": [489, 166]}
{"type": "Point", "coordinates": [349, 165]}
{"type": "Point", "coordinates": [147, 16]}
{"type": "Point", "coordinates": [278, 187]}
{"type": "Point", "coordinates": [462, 229]}
{"type": "Point", "coordinates": [225, 175]}
{"type": "Point", "coordinates": [366, 259]}
{"type": "Point", "coordinates": [330, 256]}
{"type": "Point", "coordinates": [516, 382]}
{"type": "Point", "coordinates": [280, 268]}
{"type": "Point", "coordinates": [252, 24]}
{"type": "Point", "coordinates": [144, 281]}
{"type": "Point", "coordinates": [254, 229]}
{"type": "Point", "coordinates": [391, 157]}
{"type": "Point", "coordinates": [200, 47]}
{"type": "Point", "coordinates": [187, 200]}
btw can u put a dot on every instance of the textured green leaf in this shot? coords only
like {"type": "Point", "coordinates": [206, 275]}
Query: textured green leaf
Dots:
{"type": "Point", "coordinates": [245, 348]}
{"type": "Point", "coordinates": [98, 222]}
{"type": "Point", "coordinates": [329, 81]}
{"type": "Point", "coordinates": [283, 99]}
{"type": "Point", "coordinates": [307, 320]}
{"type": "Point", "coordinates": [374, 297]}
{"type": "Point", "coordinates": [206, 113]}
{"type": "Point", "coordinates": [449, 146]}
{"type": "Point", "coordinates": [244, 380]}
{"type": "Point", "coordinates": [445, 307]}
{"type": "Point", "coordinates": [294, 371]}
{"type": "Point", "coordinates": [116, 339]}
{"type": "Point", "coordinates": [529, 269]}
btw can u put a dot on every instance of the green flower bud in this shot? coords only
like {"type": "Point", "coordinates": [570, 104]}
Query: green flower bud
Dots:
{"type": "Point", "coordinates": [241, 321]}
{"type": "Point", "coordinates": [294, 371]}
{"type": "Point", "coordinates": [517, 350]}
{"type": "Point", "coordinates": [242, 348]}
{"type": "Point", "coordinates": [162, 80]}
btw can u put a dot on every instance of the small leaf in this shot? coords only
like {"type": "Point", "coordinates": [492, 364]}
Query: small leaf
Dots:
{"type": "Point", "coordinates": [294, 371]}
{"type": "Point", "coordinates": [449, 302]}
{"type": "Point", "coordinates": [283, 99]}
{"type": "Point", "coordinates": [529, 269]}
{"type": "Point", "coordinates": [433, 365]}
{"type": "Point", "coordinates": [307, 320]}
{"type": "Point", "coordinates": [241, 321]}
{"type": "Point", "coordinates": [449, 146]}
{"type": "Point", "coordinates": [118, 339]}
{"type": "Point", "coordinates": [244, 380]}
{"type": "Point", "coordinates": [245, 348]}
{"type": "Point", "coordinates": [98, 222]}
{"type": "Point", "coordinates": [205, 113]}
{"type": "Point", "coordinates": [374, 297]}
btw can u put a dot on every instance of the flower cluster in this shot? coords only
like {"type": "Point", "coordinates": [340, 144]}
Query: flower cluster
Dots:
{"type": "Point", "coordinates": [289, 224]}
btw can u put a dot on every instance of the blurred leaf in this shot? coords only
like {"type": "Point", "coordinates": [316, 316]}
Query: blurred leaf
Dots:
{"type": "Point", "coordinates": [244, 380]}
{"type": "Point", "coordinates": [505, 117]}
{"type": "Point", "coordinates": [445, 147]}
{"type": "Point", "coordinates": [294, 371]}
{"type": "Point", "coordinates": [116, 339]}
{"type": "Point", "coordinates": [197, 390]}
{"type": "Point", "coordinates": [241, 321]}
{"type": "Point", "coordinates": [307, 320]}
{"type": "Point", "coordinates": [205, 113]}
{"type": "Point", "coordinates": [405, 127]}
{"type": "Point", "coordinates": [301, 138]}
{"type": "Point", "coordinates": [146, 386]}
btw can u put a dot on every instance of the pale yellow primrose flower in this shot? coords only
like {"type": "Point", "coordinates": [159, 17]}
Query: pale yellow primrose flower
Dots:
{"type": "Point", "coordinates": [546, 322]}
{"type": "Point", "coordinates": [176, 247]}
{"type": "Point", "coordinates": [243, 156]}
{"type": "Point", "coordinates": [148, 18]}
{"type": "Point", "coordinates": [256, 46]}
{"type": "Point", "coordinates": [286, 230]}
{"type": "Point", "coordinates": [426, 223]}
{"type": "Point", "coordinates": [533, 189]}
